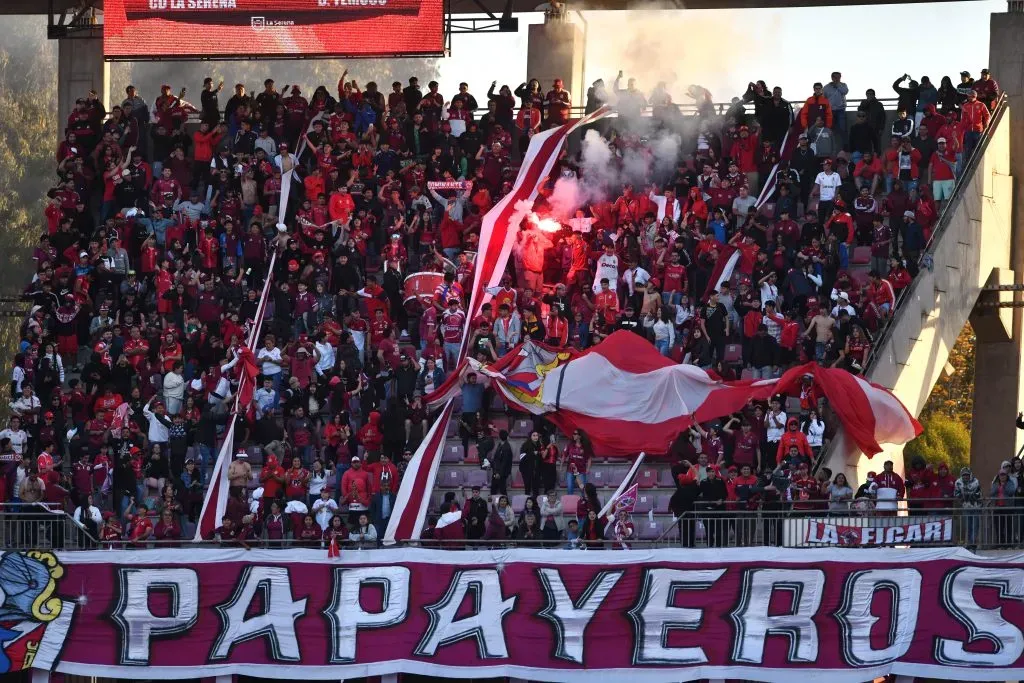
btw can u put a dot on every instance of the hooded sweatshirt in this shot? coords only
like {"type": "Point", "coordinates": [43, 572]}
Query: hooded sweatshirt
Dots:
{"type": "Point", "coordinates": [370, 435]}
{"type": "Point", "coordinates": [793, 437]}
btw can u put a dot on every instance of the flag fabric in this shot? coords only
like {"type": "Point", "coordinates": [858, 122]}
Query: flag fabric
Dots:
{"type": "Point", "coordinates": [725, 266]}
{"type": "Point", "coordinates": [216, 501]}
{"type": "Point", "coordinates": [497, 237]}
{"type": "Point", "coordinates": [626, 501]}
{"type": "Point", "coordinates": [627, 482]}
{"type": "Point", "coordinates": [627, 397]}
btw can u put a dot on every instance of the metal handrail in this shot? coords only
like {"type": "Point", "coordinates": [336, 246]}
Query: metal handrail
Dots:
{"type": "Point", "coordinates": [888, 103]}
{"type": "Point", "coordinates": [945, 218]}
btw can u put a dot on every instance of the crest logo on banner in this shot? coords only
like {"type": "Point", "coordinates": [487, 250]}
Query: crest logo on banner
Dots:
{"type": "Point", "coordinates": [29, 607]}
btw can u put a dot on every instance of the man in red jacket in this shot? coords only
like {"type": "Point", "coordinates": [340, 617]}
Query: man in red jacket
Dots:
{"type": "Point", "coordinates": [791, 438]}
{"type": "Point", "coordinates": [974, 118]}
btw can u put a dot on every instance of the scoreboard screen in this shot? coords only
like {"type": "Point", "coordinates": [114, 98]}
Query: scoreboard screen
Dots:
{"type": "Point", "coordinates": [242, 29]}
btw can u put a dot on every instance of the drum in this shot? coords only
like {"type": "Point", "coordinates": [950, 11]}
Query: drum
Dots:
{"type": "Point", "coordinates": [419, 287]}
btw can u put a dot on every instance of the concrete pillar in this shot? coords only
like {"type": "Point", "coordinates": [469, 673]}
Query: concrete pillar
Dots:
{"type": "Point", "coordinates": [556, 50]}
{"type": "Point", "coordinates": [998, 371]}
{"type": "Point", "coordinates": [80, 68]}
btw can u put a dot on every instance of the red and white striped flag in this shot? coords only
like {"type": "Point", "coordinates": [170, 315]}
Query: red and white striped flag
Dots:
{"type": "Point", "coordinates": [497, 237]}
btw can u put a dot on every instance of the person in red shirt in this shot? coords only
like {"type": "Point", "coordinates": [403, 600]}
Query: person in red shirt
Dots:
{"type": "Point", "coordinates": [356, 487]}
{"type": "Point", "coordinates": [136, 348]}
{"type": "Point", "coordinates": [453, 320]}
{"type": "Point", "coordinates": [791, 438]}
{"type": "Point", "coordinates": [272, 479]}
{"type": "Point", "coordinates": [898, 276]}
{"type": "Point", "coordinates": [557, 103]}
{"type": "Point", "coordinates": [880, 292]}
{"type": "Point", "coordinates": [746, 444]}
{"type": "Point", "coordinates": [606, 303]}
{"type": "Point", "coordinates": [382, 471]}
{"type": "Point", "coordinates": [297, 481]}
{"type": "Point", "coordinates": [370, 435]}
{"type": "Point", "coordinates": [974, 118]}
{"type": "Point", "coordinates": [942, 171]}
{"type": "Point", "coordinates": [142, 526]}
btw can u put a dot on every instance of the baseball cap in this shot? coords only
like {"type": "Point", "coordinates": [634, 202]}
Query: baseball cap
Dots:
{"type": "Point", "coordinates": [355, 458]}
{"type": "Point", "coordinates": [940, 140]}
{"type": "Point", "coordinates": [908, 214]}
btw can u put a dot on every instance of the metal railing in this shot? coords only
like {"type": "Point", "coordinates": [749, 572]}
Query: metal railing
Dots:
{"type": "Point", "coordinates": [685, 108]}
{"type": "Point", "coordinates": [990, 527]}
{"type": "Point", "coordinates": [993, 524]}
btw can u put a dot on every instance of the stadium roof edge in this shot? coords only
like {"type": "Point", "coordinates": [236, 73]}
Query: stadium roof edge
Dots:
{"type": "Point", "coordinates": [38, 7]}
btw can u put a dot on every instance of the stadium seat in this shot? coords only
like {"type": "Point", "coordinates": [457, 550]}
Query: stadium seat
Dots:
{"type": "Point", "coordinates": [453, 428]}
{"type": "Point", "coordinates": [648, 530]}
{"type": "Point", "coordinates": [861, 256]}
{"type": "Point", "coordinates": [661, 505]}
{"type": "Point", "coordinates": [521, 428]}
{"type": "Point", "coordinates": [859, 277]}
{"type": "Point", "coordinates": [452, 453]}
{"type": "Point", "coordinates": [792, 405]}
{"type": "Point", "coordinates": [733, 354]}
{"type": "Point", "coordinates": [477, 477]}
{"type": "Point", "coordinates": [517, 480]}
{"type": "Point", "coordinates": [569, 503]}
{"type": "Point", "coordinates": [600, 477]}
{"type": "Point", "coordinates": [644, 503]}
{"type": "Point", "coordinates": [472, 458]}
{"type": "Point", "coordinates": [518, 502]}
{"type": "Point", "coordinates": [647, 477]}
{"type": "Point", "coordinates": [497, 403]}
{"type": "Point", "coordinates": [616, 475]}
{"type": "Point", "coordinates": [451, 478]}
{"type": "Point", "coordinates": [665, 478]}
{"type": "Point", "coordinates": [747, 374]}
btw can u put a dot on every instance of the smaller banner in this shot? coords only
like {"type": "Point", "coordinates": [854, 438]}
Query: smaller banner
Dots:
{"type": "Point", "coordinates": [449, 185]}
{"type": "Point", "coordinates": [931, 531]}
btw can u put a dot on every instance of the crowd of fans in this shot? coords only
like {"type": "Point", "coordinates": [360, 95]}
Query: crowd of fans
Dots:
{"type": "Point", "coordinates": [163, 218]}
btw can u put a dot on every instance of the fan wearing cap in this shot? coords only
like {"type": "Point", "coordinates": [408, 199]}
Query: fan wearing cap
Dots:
{"type": "Point", "coordinates": [942, 171]}
{"type": "Point", "coordinates": [987, 89]}
{"type": "Point", "coordinates": [356, 488]}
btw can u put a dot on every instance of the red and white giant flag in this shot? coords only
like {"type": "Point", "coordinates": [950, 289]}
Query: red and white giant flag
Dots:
{"type": "Point", "coordinates": [497, 237]}
{"type": "Point", "coordinates": [627, 397]}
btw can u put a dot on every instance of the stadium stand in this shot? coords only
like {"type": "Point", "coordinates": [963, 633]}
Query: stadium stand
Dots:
{"type": "Point", "coordinates": [163, 216]}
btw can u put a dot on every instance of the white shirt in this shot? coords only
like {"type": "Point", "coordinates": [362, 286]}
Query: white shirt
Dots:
{"type": "Point", "coordinates": [774, 433]}
{"type": "Point", "coordinates": [661, 201]}
{"type": "Point", "coordinates": [18, 439]}
{"type": "Point", "coordinates": [271, 360]}
{"type": "Point", "coordinates": [581, 224]}
{"type": "Point", "coordinates": [633, 277]}
{"type": "Point", "coordinates": [92, 511]}
{"type": "Point", "coordinates": [327, 356]}
{"type": "Point", "coordinates": [607, 267]}
{"type": "Point", "coordinates": [828, 184]}
{"type": "Point", "coordinates": [815, 432]}
{"type": "Point", "coordinates": [323, 510]}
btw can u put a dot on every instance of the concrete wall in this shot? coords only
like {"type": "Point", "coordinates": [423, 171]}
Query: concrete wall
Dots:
{"type": "Point", "coordinates": [80, 68]}
{"type": "Point", "coordinates": [555, 49]}
{"type": "Point", "coordinates": [974, 244]}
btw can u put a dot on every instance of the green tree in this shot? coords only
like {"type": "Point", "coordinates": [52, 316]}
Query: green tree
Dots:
{"type": "Point", "coordinates": [28, 137]}
{"type": "Point", "coordinates": [945, 439]}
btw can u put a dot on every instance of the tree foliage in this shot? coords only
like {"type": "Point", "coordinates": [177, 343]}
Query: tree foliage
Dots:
{"type": "Point", "coordinates": [28, 138]}
{"type": "Point", "coordinates": [946, 416]}
{"type": "Point", "coordinates": [944, 440]}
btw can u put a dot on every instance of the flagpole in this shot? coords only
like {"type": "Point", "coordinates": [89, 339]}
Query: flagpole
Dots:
{"type": "Point", "coordinates": [626, 483]}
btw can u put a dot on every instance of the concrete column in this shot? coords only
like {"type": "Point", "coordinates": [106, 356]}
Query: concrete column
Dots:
{"type": "Point", "coordinates": [998, 372]}
{"type": "Point", "coordinates": [556, 50]}
{"type": "Point", "coordinates": [80, 68]}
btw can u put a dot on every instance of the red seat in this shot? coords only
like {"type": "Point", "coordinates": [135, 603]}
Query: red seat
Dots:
{"type": "Point", "coordinates": [647, 478]}
{"type": "Point", "coordinates": [517, 480]}
{"type": "Point", "coordinates": [733, 354]}
{"type": "Point", "coordinates": [861, 256]}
